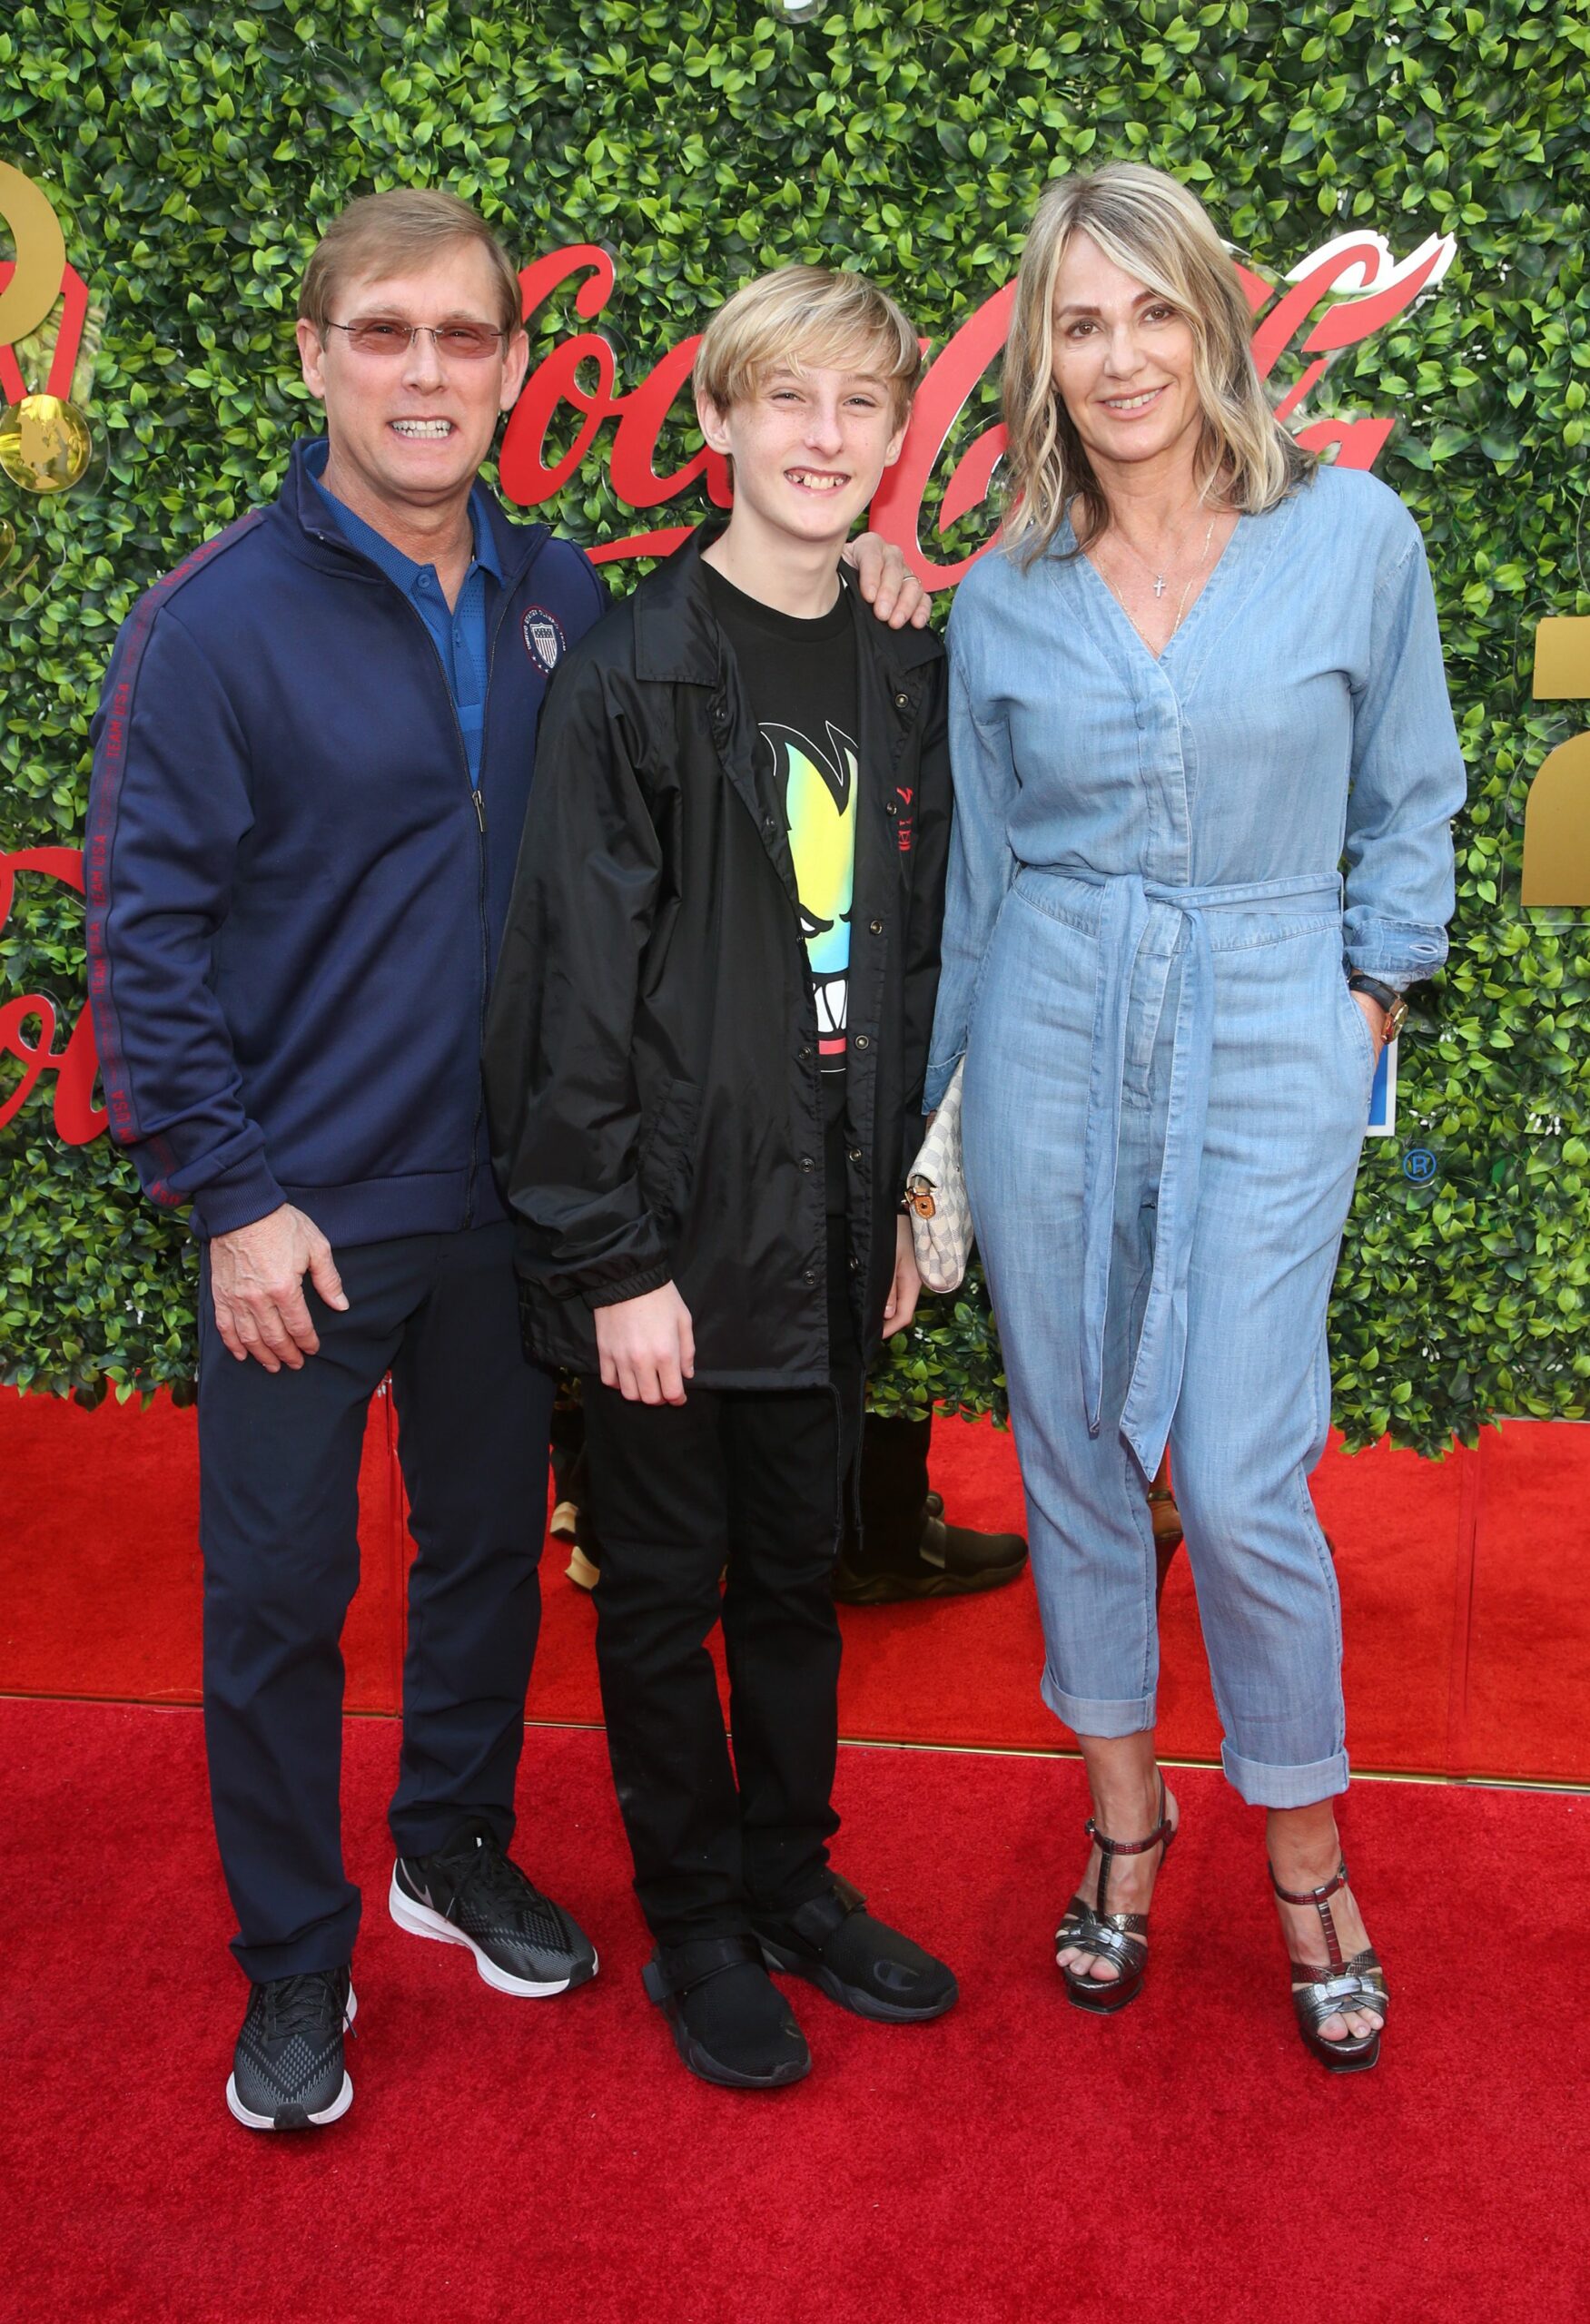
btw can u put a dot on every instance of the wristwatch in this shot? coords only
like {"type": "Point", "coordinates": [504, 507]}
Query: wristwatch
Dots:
{"type": "Point", "coordinates": [1386, 997]}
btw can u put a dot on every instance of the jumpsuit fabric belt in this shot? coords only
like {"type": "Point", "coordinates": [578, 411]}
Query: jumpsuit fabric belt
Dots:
{"type": "Point", "coordinates": [1155, 1380]}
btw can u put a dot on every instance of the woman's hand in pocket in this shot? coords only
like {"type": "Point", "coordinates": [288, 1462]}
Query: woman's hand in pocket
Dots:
{"type": "Point", "coordinates": [1374, 1018]}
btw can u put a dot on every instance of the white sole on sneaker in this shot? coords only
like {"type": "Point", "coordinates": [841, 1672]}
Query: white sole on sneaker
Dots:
{"type": "Point", "coordinates": [331, 2114]}
{"type": "Point", "coordinates": [420, 1920]}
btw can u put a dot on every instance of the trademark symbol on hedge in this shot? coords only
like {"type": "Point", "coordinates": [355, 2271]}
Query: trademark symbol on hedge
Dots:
{"type": "Point", "coordinates": [543, 639]}
{"type": "Point", "coordinates": [1420, 1164]}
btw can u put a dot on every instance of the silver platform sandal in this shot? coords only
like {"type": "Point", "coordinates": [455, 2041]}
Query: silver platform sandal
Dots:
{"type": "Point", "coordinates": [1109, 1936]}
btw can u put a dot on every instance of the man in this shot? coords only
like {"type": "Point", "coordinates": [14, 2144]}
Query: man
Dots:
{"type": "Point", "coordinates": [311, 761]}
{"type": "Point", "coordinates": [705, 1064]}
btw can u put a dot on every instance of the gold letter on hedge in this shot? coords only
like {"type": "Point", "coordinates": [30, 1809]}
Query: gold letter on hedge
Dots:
{"type": "Point", "coordinates": [1557, 814]}
{"type": "Point", "coordinates": [40, 255]}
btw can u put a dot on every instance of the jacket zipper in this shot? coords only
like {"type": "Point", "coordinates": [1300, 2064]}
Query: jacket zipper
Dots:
{"type": "Point", "coordinates": [476, 800]}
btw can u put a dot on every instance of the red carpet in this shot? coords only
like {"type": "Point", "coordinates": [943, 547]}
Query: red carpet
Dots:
{"type": "Point", "coordinates": [1014, 2163]}
{"type": "Point", "coordinates": [1465, 1586]}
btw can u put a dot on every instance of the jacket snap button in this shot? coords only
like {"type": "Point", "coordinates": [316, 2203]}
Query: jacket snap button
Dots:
{"type": "Point", "coordinates": [876, 926]}
{"type": "Point", "coordinates": [804, 1055]}
{"type": "Point", "coordinates": [807, 1163]}
{"type": "Point", "coordinates": [891, 807]}
{"type": "Point", "coordinates": [903, 701]}
{"type": "Point", "coordinates": [810, 1279]}
{"type": "Point", "coordinates": [855, 1266]}
{"type": "Point", "coordinates": [855, 1154]}
{"type": "Point", "coordinates": [862, 1042]}
{"type": "Point", "coordinates": [769, 825]}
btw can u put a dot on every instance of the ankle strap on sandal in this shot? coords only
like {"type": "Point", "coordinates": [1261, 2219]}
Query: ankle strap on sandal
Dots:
{"type": "Point", "coordinates": [1310, 1895]}
{"type": "Point", "coordinates": [1320, 1900]}
{"type": "Point", "coordinates": [1109, 1850]}
{"type": "Point", "coordinates": [676, 1969]}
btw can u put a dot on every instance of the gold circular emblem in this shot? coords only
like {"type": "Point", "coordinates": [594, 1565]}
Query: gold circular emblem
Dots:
{"type": "Point", "coordinates": [45, 444]}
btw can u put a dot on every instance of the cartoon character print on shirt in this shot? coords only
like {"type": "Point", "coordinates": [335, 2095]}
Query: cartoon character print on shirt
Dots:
{"type": "Point", "coordinates": [818, 789]}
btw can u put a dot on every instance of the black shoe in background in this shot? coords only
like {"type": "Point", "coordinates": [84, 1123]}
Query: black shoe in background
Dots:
{"type": "Point", "coordinates": [469, 1893]}
{"type": "Point", "coordinates": [287, 2070]}
{"type": "Point", "coordinates": [945, 1562]}
{"type": "Point", "coordinates": [864, 1965]}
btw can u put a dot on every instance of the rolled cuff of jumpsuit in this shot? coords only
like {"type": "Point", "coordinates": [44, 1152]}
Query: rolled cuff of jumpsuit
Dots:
{"type": "Point", "coordinates": [1086, 1716]}
{"type": "Point", "coordinates": [1265, 1786]}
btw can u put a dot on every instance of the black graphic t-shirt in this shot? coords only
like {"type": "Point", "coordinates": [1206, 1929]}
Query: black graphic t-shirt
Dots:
{"type": "Point", "coordinates": [802, 678]}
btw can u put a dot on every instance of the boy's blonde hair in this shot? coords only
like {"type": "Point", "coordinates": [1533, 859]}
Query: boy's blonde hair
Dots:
{"type": "Point", "coordinates": [1154, 229]}
{"type": "Point", "coordinates": [805, 315]}
{"type": "Point", "coordinates": [382, 233]}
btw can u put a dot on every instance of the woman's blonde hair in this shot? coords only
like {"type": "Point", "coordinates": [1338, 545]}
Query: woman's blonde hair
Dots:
{"type": "Point", "coordinates": [802, 315]}
{"type": "Point", "coordinates": [1160, 233]}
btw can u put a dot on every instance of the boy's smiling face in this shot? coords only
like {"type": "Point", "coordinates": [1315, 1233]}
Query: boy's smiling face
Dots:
{"type": "Point", "coordinates": [809, 449]}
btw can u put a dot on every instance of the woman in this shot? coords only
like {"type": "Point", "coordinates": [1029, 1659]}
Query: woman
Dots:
{"type": "Point", "coordinates": [1196, 677]}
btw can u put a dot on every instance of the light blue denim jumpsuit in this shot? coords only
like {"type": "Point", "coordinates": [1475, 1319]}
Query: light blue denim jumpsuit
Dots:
{"type": "Point", "coordinates": [1167, 1080]}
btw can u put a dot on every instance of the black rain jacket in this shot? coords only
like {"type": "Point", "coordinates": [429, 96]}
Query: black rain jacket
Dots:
{"type": "Point", "coordinates": [651, 1055]}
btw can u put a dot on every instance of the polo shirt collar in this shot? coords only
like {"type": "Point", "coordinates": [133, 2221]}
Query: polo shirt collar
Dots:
{"type": "Point", "coordinates": [380, 551]}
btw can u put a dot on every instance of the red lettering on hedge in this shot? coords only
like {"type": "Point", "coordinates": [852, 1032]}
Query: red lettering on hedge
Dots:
{"type": "Point", "coordinates": [77, 1065]}
{"type": "Point", "coordinates": [529, 478]}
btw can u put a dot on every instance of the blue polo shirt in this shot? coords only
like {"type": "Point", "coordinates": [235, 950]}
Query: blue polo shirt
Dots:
{"type": "Point", "coordinates": [458, 633]}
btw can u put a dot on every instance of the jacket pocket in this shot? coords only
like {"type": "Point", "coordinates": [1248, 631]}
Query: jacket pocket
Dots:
{"type": "Point", "coordinates": [667, 1159]}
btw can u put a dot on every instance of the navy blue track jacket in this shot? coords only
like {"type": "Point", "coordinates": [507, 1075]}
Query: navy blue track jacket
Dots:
{"type": "Point", "coordinates": [295, 898]}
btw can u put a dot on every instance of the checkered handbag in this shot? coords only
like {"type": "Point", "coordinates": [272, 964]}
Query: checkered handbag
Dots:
{"type": "Point", "coordinates": [935, 1191]}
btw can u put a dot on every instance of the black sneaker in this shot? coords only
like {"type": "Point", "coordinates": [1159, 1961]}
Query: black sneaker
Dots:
{"type": "Point", "coordinates": [948, 1561]}
{"type": "Point", "coordinates": [862, 1964]}
{"type": "Point", "coordinates": [469, 1893]}
{"type": "Point", "coordinates": [731, 2024]}
{"type": "Point", "coordinates": [287, 2072]}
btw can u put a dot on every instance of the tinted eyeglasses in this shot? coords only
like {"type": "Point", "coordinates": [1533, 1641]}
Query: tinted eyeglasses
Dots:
{"type": "Point", "coordinates": [387, 337]}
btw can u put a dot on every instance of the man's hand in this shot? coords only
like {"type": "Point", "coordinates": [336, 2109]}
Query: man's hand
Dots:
{"type": "Point", "coordinates": [894, 594]}
{"type": "Point", "coordinates": [256, 1280]}
{"type": "Point", "coordinates": [646, 1346]}
{"type": "Point", "coordinates": [906, 1288]}
{"type": "Point", "coordinates": [1374, 1018]}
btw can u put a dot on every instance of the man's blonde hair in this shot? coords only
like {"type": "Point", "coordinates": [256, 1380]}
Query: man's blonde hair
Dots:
{"type": "Point", "coordinates": [1159, 231]}
{"type": "Point", "coordinates": [801, 317]}
{"type": "Point", "coordinates": [383, 233]}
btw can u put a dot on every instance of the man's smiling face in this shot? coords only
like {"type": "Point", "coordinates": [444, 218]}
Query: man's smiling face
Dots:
{"type": "Point", "coordinates": [410, 429]}
{"type": "Point", "coordinates": [809, 449]}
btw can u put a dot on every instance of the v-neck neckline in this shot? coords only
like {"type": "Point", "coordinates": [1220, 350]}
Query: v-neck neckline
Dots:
{"type": "Point", "coordinates": [1189, 619]}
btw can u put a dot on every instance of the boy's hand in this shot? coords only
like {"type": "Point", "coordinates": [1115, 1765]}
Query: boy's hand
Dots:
{"type": "Point", "coordinates": [906, 1288]}
{"type": "Point", "coordinates": [894, 594]}
{"type": "Point", "coordinates": [646, 1347]}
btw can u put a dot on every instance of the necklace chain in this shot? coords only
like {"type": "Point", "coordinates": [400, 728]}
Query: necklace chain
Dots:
{"type": "Point", "coordinates": [1159, 578]}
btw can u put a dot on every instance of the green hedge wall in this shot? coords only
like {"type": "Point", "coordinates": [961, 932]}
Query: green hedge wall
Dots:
{"type": "Point", "coordinates": [194, 156]}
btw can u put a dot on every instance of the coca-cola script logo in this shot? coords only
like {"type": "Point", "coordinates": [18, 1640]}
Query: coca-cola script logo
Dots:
{"type": "Point", "coordinates": [1365, 286]}
{"type": "Point", "coordinates": [1366, 289]}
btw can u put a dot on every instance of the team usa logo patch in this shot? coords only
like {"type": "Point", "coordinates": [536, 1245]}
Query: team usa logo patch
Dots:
{"type": "Point", "coordinates": [544, 639]}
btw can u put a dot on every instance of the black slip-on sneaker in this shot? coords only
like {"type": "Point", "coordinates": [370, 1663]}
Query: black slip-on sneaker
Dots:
{"type": "Point", "coordinates": [730, 2024]}
{"type": "Point", "coordinates": [469, 1893]}
{"type": "Point", "coordinates": [287, 2070]}
{"type": "Point", "coordinates": [862, 1964]}
{"type": "Point", "coordinates": [948, 1561]}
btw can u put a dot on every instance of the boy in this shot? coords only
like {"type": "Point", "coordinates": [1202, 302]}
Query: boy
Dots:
{"type": "Point", "coordinates": [704, 1065]}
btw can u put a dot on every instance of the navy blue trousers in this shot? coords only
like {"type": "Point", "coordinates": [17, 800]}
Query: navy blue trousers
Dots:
{"type": "Point", "coordinates": [278, 1520]}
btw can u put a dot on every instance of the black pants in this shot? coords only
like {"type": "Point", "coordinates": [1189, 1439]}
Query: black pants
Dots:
{"type": "Point", "coordinates": [893, 1488]}
{"type": "Point", "coordinates": [750, 1481]}
{"type": "Point", "coordinates": [279, 1472]}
